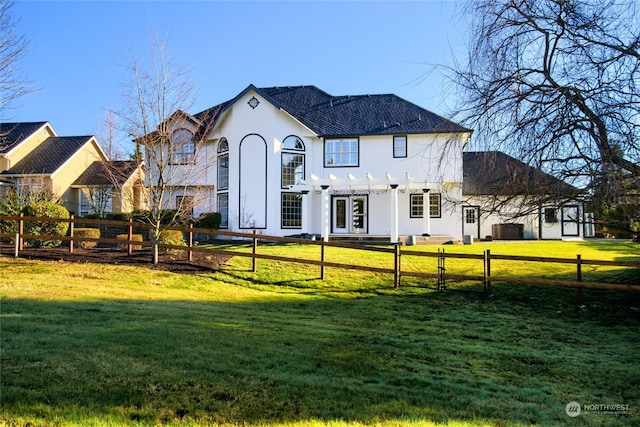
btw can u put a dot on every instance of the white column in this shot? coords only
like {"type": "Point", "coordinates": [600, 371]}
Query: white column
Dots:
{"type": "Point", "coordinates": [325, 213]}
{"type": "Point", "coordinates": [426, 212]}
{"type": "Point", "coordinates": [306, 226]}
{"type": "Point", "coordinates": [394, 213]}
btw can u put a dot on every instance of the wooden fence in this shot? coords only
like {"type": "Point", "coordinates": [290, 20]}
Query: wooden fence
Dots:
{"type": "Point", "coordinates": [396, 251]}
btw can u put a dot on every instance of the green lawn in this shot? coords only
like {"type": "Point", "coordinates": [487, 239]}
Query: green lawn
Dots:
{"type": "Point", "coordinates": [116, 345]}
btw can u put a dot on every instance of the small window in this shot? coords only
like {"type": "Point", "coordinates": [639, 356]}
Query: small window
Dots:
{"type": "Point", "coordinates": [399, 146]}
{"type": "Point", "coordinates": [341, 152]}
{"type": "Point", "coordinates": [550, 215]}
{"type": "Point", "coordinates": [291, 210]}
{"type": "Point", "coordinates": [183, 149]}
{"type": "Point", "coordinates": [416, 206]}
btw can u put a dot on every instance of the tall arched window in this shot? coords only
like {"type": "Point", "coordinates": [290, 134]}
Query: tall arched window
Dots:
{"type": "Point", "coordinates": [223, 182]}
{"type": "Point", "coordinates": [292, 172]}
{"type": "Point", "coordinates": [223, 164]}
{"type": "Point", "coordinates": [183, 148]}
{"type": "Point", "coordinates": [292, 161]}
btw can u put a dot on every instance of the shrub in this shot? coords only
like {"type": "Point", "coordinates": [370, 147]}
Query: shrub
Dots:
{"type": "Point", "coordinates": [171, 237]}
{"type": "Point", "coordinates": [49, 210]}
{"type": "Point", "coordinates": [134, 237]}
{"type": "Point", "coordinates": [93, 233]}
{"type": "Point", "coordinates": [210, 220]}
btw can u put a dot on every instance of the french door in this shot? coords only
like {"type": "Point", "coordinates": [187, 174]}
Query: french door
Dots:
{"type": "Point", "coordinates": [349, 214]}
{"type": "Point", "coordinates": [471, 221]}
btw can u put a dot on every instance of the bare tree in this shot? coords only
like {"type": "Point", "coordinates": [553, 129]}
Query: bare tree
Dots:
{"type": "Point", "coordinates": [157, 93]}
{"type": "Point", "coordinates": [13, 46]}
{"type": "Point", "coordinates": [555, 84]}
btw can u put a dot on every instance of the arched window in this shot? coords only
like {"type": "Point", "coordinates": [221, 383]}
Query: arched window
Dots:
{"type": "Point", "coordinates": [183, 149]}
{"type": "Point", "coordinates": [292, 142]}
{"type": "Point", "coordinates": [292, 170]}
{"type": "Point", "coordinates": [223, 146]}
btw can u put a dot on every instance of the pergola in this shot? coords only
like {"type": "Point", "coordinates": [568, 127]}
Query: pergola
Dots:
{"type": "Point", "coordinates": [368, 184]}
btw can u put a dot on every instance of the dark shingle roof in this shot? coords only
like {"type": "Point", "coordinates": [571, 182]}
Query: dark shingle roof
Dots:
{"type": "Point", "coordinates": [107, 173]}
{"type": "Point", "coordinates": [12, 134]}
{"type": "Point", "coordinates": [358, 115]}
{"type": "Point", "coordinates": [328, 115]}
{"type": "Point", "coordinates": [47, 157]}
{"type": "Point", "coordinates": [496, 173]}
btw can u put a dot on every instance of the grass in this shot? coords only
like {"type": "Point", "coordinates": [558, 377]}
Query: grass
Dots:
{"type": "Point", "coordinates": [115, 345]}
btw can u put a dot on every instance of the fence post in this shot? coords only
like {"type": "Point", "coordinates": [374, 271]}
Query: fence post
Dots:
{"type": "Point", "coordinates": [487, 276]}
{"type": "Point", "coordinates": [254, 266]}
{"type": "Point", "coordinates": [396, 265]}
{"type": "Point", "coordinates": [442, 284]}
{"type": "Point", "coordinates": [322, 259]}
{"type": "Point", "coordinates": [579, 275]}
{"type": "Point", "coordinates": [16, 248]}
{"type": "Point", "coordinates": [71, 223]}
{"type": "Point", "coordinates": [190, 252]}
{"type": "Point", "coordinates": [130, 237]}
{"type": "Point", "coordinates": [21, 232]}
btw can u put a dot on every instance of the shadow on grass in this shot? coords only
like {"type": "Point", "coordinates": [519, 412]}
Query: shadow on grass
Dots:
{"type": "Point", "coordinates": [434, 357]}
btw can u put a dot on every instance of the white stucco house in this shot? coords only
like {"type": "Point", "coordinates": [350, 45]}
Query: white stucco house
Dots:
{"type": "Point", "coordinates": [296, 160]}
{"type": "Point", "coordinates": [299, 161]}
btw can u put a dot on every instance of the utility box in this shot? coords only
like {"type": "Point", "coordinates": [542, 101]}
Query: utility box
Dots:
{"type": "Point", "coordinates": [467, 239]}
{"type": "Point", "coordinates": [507, 231]}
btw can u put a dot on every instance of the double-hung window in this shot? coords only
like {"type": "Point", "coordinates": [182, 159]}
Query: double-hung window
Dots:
{"type": "Point", "coordinates": [341, 152]}
{"type": "Point", "coordinates": [399, 146]}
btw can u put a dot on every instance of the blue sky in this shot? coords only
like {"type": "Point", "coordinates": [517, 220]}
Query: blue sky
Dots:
{"type": "Point", "coordinates": [75, 57]}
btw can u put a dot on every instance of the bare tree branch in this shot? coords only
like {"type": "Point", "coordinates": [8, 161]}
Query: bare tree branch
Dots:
{"type": "Point", "coordinates": [555, 84]}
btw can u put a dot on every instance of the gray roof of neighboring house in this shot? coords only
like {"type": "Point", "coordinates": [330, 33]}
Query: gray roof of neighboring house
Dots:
{"type": "Point", "coordinates": [49, 156]}
{"type": "Point", "coordinates": [496, 173]}
{"type": "Point", "coordinates": [328, 115]}
{"type": "Point", "coordinates": [107, 173]}
{"type": "Point", "coordinates": [12, 134]}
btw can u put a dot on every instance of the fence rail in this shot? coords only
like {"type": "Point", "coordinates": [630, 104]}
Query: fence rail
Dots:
{"type": "Point", "coordinates": [18, 236]}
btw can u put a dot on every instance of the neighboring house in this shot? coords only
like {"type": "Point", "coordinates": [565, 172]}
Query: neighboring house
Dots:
{"type": "Point", "coordinates": [296, 160]}
{"type": "Point", "coordinates": [110, 187]}
{"type": "Point", "coordinates": [505, 198]}
{"type": "Point", "coordinates": [33, 159]}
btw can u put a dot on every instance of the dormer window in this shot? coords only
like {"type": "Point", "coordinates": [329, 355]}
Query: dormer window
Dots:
{"type": "Point", "coordinates": [183, 149]}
